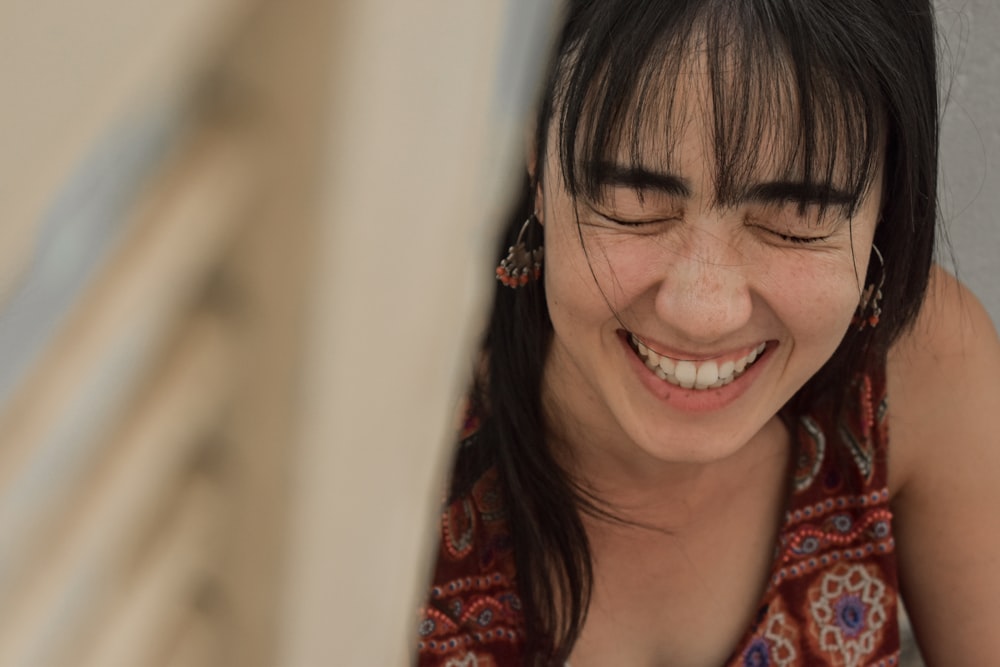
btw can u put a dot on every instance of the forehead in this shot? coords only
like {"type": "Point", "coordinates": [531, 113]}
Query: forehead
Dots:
{"type": "Point", "coordinates": [733, 127]}
{"type": "Point", "coordinates": [745, 112]}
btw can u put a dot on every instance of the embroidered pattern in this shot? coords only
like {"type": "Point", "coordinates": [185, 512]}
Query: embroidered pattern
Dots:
{"type": "Point", "coordinates": [860, 449]}
{"type": "Point", "coordinates": [774, 645]}
{"type": "Point", "coordinates": [459, 528]}
{"type": "Point", "coordinates": [470, 659]}
{"type": "Point", "coordinates": [849, 609]}
{"type": "Point", "coordinates": [812, 448]}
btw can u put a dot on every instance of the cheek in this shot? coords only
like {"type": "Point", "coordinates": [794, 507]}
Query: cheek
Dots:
{"type": "Point", "coordinates": [607, 274]}
{"type": "Point", "coordinates": [815, 298]}
{"type": "Point", "coordinates": [570, 288]}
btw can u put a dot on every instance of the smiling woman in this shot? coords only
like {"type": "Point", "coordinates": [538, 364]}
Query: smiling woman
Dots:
{"type": "Point", "coordinates": [700, 278]}
{"type": "Point", "coordinates": [677, 451]}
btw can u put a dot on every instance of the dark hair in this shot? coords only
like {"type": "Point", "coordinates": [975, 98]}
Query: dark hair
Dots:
{"type": "Point", "coordinates": [857, 78]}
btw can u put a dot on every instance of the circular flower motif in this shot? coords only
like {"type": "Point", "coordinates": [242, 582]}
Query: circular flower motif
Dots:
{"type": "Point", "coordinates": [807, 546]}
{"type": "Point", "coordinates": [426, 628]}
{"type": "Point", "coordinates": [881, 529]}
{"type": "Point", "coordinates": [842, 523]}
{"type": "Point", "coordinates": [850, 611]}
{"type": "Point", "coordinates": [757, 654]}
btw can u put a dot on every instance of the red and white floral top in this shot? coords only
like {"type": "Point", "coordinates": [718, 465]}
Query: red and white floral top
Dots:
{"type": "Point", "coordinates": [831, 599]}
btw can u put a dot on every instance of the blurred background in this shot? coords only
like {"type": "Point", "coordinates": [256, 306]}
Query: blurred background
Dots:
{"type": "Point", "coordinates": [245, 255]}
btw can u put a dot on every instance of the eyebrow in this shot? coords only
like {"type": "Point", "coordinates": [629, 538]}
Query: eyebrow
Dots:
{"type": "Point", "coordinates": [800, 192]}
{"type": "Point", "coordinates": [640, 178]}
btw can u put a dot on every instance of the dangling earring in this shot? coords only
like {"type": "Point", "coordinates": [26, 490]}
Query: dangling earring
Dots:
{"type": "Point", "coordinates": [870, 306]}
{"type": "Point", "coordinates": [521, 265]}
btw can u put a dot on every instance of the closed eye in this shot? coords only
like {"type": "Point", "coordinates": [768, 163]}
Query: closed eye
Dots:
{"type": "Point", "coordinates": [638, 223]}
{"type": "Point", "coordinates": [789, 238]}
{"type": "Point", "coordinates": [631, 207]}
{"type": "Point", "coordinates": [778, 224]}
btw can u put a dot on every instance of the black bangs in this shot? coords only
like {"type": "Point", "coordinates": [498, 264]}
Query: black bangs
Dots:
{"type": "Point", "coordinates": [783, 88]}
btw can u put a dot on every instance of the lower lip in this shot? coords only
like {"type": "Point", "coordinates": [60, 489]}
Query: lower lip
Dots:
{"type": "Point", "coordinates": [694, 400]}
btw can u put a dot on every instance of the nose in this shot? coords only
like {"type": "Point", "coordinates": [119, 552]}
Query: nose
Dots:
{"type": "Point", "coordinates": [704, 295]}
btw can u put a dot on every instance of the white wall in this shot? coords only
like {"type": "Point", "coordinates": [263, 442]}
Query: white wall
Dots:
{"type": "Point", "coordinates": [970, 186]}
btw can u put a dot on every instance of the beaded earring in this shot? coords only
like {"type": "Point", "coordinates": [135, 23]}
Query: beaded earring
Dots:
{"type": "Point", "coordinates": [870, 307]}
{"type": "Point", "coordinates": [521, 265]}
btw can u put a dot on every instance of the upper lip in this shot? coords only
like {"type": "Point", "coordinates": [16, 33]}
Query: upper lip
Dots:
{"type": "Point", "coordinates": [688, 355]}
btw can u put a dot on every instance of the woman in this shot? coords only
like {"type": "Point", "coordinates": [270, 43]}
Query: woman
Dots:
{"type": "Point", "coordinates": [680, 451]}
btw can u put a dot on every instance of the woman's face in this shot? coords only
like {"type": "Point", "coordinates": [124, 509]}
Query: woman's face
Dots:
{"type": "Point", "coordinates": [681, 326]}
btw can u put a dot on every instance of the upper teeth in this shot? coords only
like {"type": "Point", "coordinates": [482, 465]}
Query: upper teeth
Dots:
{"type": "Point", "coordinates": [708, 374]}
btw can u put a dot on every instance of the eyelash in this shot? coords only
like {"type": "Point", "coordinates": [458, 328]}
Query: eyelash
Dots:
{"type": "Point", "coordinates": [637, 223]}
{"type": "Point", "coordinates": [787, 238]}
{"type": "Point", "coordinates": [797, 239]}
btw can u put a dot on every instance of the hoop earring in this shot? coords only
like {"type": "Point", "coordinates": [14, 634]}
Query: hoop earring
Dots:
{"type": "Point", "coordinates": [521, 265]}
{"type": "Point", "coordinates": [870, 306]}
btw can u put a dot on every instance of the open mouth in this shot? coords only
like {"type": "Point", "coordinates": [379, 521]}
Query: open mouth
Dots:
{"type": "Point", "coordinates": [699, 375]}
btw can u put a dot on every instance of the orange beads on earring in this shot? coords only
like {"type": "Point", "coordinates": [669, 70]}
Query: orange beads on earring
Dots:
{"type": "Point", "coordinates": [521, 265]}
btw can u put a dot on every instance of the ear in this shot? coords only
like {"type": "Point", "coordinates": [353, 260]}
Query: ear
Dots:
{"type": "Point", "coordinates": [531, 163]}
{"type": "Point", "coordinates": [530, 150]}
{"type": "Point", "coordinates": [539, 204]}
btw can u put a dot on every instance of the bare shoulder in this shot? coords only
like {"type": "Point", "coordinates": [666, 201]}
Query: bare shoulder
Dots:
{"type": "Point", "coordinates": [944, 379]}
{"type": "Point", "coordinates": [944, 468]}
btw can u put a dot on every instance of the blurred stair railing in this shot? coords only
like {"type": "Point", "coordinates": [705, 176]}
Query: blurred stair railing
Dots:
{"type": "Point", "coordinates": [244, 260]}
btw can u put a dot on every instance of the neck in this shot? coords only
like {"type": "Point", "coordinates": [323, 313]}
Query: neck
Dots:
{"type": "Point", "coordinates": [673, 496]}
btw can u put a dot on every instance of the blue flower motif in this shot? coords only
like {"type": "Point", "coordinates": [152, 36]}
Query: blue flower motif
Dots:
{"type": "Point", "coordinates": [757, 654]}
{"type": "Point", "coordinates": [850, 613]}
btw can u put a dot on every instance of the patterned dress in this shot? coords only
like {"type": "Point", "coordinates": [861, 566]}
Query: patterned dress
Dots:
{"type": "Point", "coordinates": [831, 598]}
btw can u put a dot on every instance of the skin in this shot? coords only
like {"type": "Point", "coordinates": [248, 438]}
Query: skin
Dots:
{"type": "Point", "coordinates": [944, 392]}
{"type": "Point", "coordinates": [705, 280]}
